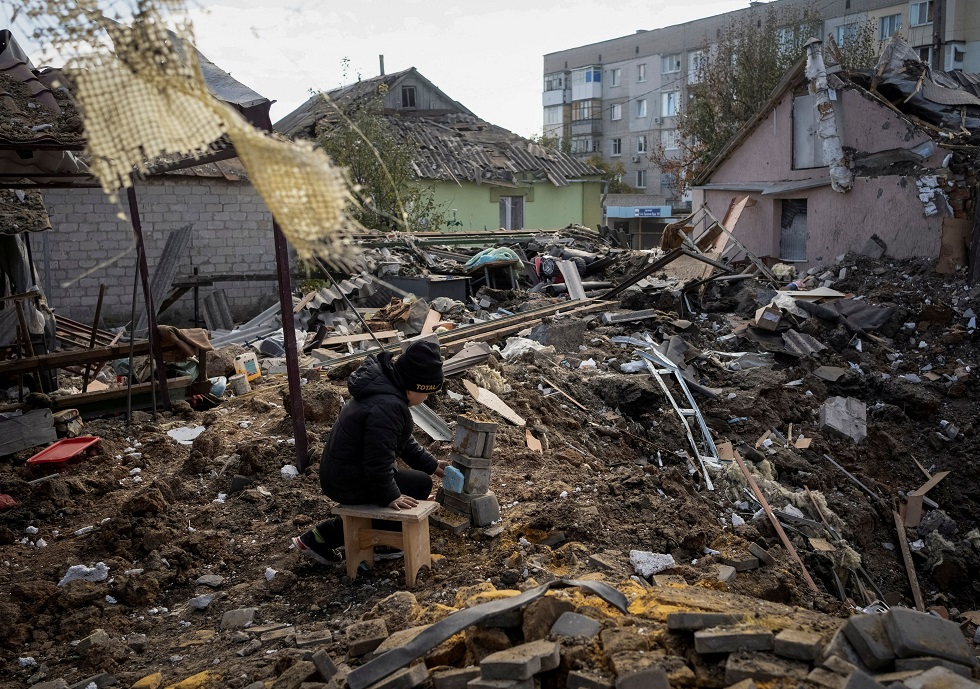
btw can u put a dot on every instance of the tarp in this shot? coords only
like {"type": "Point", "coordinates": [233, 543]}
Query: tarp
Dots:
{"type": "Point", "coordinates": [857, 315]}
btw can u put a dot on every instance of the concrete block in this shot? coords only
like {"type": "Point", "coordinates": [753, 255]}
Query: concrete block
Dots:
{"type": "Point", "coordinates": [838, 665]}
{"type": "Point", "coordinates": [480, 683]}
{"type": "Point", "coordinates": [927, 662]}
{"type": "Point", "coordinates": [469, 442]}
{"type": "Point", "coordinates": [762, 667]}
{"type": "Point", "coordinates": [324, 665]}
{"type": "Point", "coordinates": [521, 662]}
{"type": "Point", "coordinates": [489, 445]}
{"type": "Point", "coordinates": [364, 637]}
{"type": "Point", "coordinates": [646, 563]}
{"type": "Point", "coordinates": [476, 481]}
{"type": "Point", "coordinates": [455, 678]}
{"type": "Point", "coordinates": [939, 677]}
{"type": "Point", "coordinates": [725, 573]}
{"type": "Point", "coordinates": [826, 678]}
{"type": "Point", "coordinates": [693, 621]}
{"type": "Point", "coordinates": [868, 637]}
{"type": "Point", "coordinates": [461, 460]}
{"type": "Point", "coordinates": [741, 562]}
{"type": "Point", "coordinates": [578, 679]}
{"type": "Point", "coordinates": [406, 678]}
{"type": "Point", "coordinates": [845, 417]}
{"type": "Point", "coordinates": [458, 502]}
{"type": "Point", "coordinates": [729, 639]}
{"type": "Point", "coordinates": [238, 619]}
{"type": "Point", "coordinates": [484, 509]}
{"type": "Point", "coordinates": [295, 675]}
{"type": "Point", "coordinates": [798, 645]}
{"type": "Point", "coordinates": [862, 680]}
{"type": "Point", "coordinates": [576, 625]}
{"type": "Point", "coordinates": [919, 634]}
{"type": "Point", "coordinates": [762, 554]}
{"type": "Point", "coordinates": [653, 677]}
{"type": "Point", "coordinates": [474, 424]}
{"type": "Point", "coordinates": [450, 520]}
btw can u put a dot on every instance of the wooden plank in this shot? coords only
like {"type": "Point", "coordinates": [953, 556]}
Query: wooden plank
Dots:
{"type": "Point", "coordinates": [44, 362]}
{"type": "Point", "coordinates": [360, 337]}
{"type": "Point", "coordinates": [921, 468]}
{"type": "Point", "coordinates": [913, 510]}
{"type": "Point", "coordinates": [565, 394]}
{"type": "Point", "coordinates": [304, 301]}
{"type": "Point", "coordinates": [788, 544]}
{"type": "Point", "coordinates": [909, 567]}
{"type": "Point", "coordinates": [491, 401]}
{"type": "Point", "coordinates": [930, 484]}
{"type": "Point", "coordinates": [412, 514]}
{"type": "Point", "coordinates": [822, 545]}
{"type": "Point", "coordinates": [431, 320]}
{"type": "Point", "coordinates": [533, 443]}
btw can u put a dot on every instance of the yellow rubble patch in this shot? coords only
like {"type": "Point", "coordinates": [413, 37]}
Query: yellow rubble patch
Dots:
{"type": "Point", "coordinates": [198, 681]}
{"type": "Point", "coordinates": [488, 596]}
{"type": "Point", "coordinates": [202, 636]}
{"type": "Point", "coordinates": [150, 681]}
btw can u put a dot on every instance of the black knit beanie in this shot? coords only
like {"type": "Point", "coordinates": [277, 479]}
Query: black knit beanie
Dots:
{"type": "Point", "coordinates": [420, 367]}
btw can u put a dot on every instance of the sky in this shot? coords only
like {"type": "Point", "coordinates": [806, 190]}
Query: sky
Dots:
{"type": "Point", "coordinates": [487, 56]}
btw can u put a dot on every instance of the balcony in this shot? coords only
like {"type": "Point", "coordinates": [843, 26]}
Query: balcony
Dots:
{"type": "Point", "coordinates": [555, 97]}
{"type": "Point", "coordinates": [584, 127]}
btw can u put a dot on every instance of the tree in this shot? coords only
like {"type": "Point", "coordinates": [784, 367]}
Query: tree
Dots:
{"type": "Point", "coordinates": [735, 78]}
{"type": "Point", "coordinates": [612, 173]}
{"type": "Point", "coordinates": [378, 159]}
{"type": "Point", "coordinates": [860, 48]}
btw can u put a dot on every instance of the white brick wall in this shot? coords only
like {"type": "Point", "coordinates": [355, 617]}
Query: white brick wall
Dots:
{"type": "Point", "coordinates": [232, 233]}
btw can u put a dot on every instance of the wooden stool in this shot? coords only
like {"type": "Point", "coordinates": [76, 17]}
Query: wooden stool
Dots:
{"type": "Point", "coordinates": [412, 540]}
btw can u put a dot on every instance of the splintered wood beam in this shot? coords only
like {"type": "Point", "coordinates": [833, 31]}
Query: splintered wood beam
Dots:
{"type": "Point", "coordinates": [903, 543]}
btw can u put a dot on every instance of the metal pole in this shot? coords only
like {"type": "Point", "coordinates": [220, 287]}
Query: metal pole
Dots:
{"type": "Point", "coordinates": [938, 34]}
{"type": "Point", "coordinates": [95, 329]}
{"type": "Point", "coordinates": [151, 314]}
{"type": "Point", "coordinates": [289, 342]}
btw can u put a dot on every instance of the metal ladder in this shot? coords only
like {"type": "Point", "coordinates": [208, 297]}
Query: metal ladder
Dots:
{"type": "Point", "coordinates": [659, 365]}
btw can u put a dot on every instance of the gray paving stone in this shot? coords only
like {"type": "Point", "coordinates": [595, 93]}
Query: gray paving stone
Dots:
{"type": "Point", "coordinates": [693, 621]}
{"type": "Point", "coordinates": [295, 675]}
{"type": "Point", "coordinates": [744, 684]}
{"type": "Point", "coordinates": [406, 678]}
{"type": "Point", "coordinates": [826, 678]}
{"type": "Point", "coordinates": [939, 678]}
{"type": "Point", "coordinates": [484, 509]}
{"type": "Point", "coordinates": [734, 638]}
{"type": "Point", "coordinates": [456, 678]}
{"type": "Point", "coordinates": [764, 556]}
{"type": "Point", "coordinates": [324, 665]}
{"type": "Point", "coordinates": [578, 679]}
{"type": "Point", "coordinates": [212, 580]}
{"type": "Point", "coordinates": [926, 662]}
{"type": "Point", "coordinates": [521, 662]}
{"type": "Point", "coordinates": [480, 683]}
{"type": "Point", "coordinates": [726, 573]}
{"type": "Point", "coordinates": [862, 680]}
{"type": "Point", "coordinates": [103, 679]}
{"type": "Point", "coordinates": [762, 667]}
{"type": "Point", "coordinates": [741, 563]}
{"type": "Point", "coordinates": [919, 634]}
{"type": "Point", "coordinates": [574, 624]}
{"type": "Point", "coordinates": [653, 677]}
{"type": "Point", "coordinates": [798, 645]}
{"type": "Point", "coordinates": [868, 637]}
{"type": "Point", "coordinates": [320, 637]}
{"type": "Point", "coordinates": [238, 619]}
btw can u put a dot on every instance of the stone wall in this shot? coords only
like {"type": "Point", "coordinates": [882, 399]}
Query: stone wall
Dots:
{"type": "Point", "coordinates": [91, 244]}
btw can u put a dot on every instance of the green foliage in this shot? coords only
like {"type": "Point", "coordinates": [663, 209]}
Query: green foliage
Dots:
{"type": "Point", "coordinates": [378, 160]}
{"type": "Point", "coordinates": [859, 49]}
{"type": "Point", "coordinates": [555, 143]}
{"type": "Point", "coordinates": [737, 77]}
{"type": "Point", "coordinates": [613, 173]}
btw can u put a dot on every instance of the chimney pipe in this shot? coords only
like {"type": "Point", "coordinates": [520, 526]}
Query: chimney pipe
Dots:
{"type": "Point", "coordinates": [381, 61]}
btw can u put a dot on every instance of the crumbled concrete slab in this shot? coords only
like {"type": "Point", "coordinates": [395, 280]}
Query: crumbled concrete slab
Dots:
{"type": "Point", "coordinates": [729, 639]}
{"type": "Point", "coordinates": [845, 417]}
{"type": "Point", "coordinates": [237, 619]}
{"type": "Point", "coordinates": [797, 645]}
{"type": "Point", "coordinates": [919, 634]}
{"type": "Point", "coordinates": [646, 563]}
{"type": "Point", "coordinates": [868, 637]}
{"type": "Point", "coordinates": [364, 637]}
{"type": "Point", "coordinates": [576, 625]}
{"type": "Point", "coordinates": [927, 662]}
{"type": "Point", "coordinates": [762, 667]}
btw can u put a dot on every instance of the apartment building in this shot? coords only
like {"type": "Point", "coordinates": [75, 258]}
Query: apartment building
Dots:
{"type": "Point", "coordinates": [620, 97]}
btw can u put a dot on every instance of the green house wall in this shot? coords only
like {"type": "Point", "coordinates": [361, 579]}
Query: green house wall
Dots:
{"type": "Point", "coordinates": [545, 205]}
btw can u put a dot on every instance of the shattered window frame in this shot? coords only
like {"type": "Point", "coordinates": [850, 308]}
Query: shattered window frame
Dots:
{"type": "Point", "coordinates": [887, 26]}
{"type": "Point", "coordinates": [408, 97]}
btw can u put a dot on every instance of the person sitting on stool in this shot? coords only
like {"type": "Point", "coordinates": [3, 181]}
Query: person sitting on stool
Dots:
{"type": "Point", "coordinates": [374, 428]}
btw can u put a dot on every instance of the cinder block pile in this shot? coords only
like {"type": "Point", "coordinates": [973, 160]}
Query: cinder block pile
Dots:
{"type": "Point", "coordinates": [466, 486]}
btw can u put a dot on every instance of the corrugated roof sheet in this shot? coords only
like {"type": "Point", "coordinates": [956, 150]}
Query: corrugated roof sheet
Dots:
{"type": "Point", "coordinates": [22, 210]}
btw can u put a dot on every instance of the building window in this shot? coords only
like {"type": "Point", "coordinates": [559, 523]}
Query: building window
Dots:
{"type": "Point", "coordinates": [593, 76]}
{"type": "Point", "coordinates": [847, 33]}
{"type": "Point", "coordinates": [408, 96]}
{"type": "Point", "coordinates": [955, 58]}
{"type": "Point", "coordinates": [669, 139]}
{"type": "Point", "coordinates": [617, 147]}
{"type": "Point", "coordinates": [641, 107]}
{"type": "Point", "coordinates": [887, 26]}
{"type": "Point", "coordinates": [581, 146]}
{"type": "Point", "coordinates": [641, 72]}
{"type": "Point", "coordinates": [920, 13]}
{"type": "Point", "coordinates": [695, 63]}
{"type": "Point", "coordinates": [641, 143]}
{"type": "Point", "coordinates": [586, 109]}
{"type": "Point", "coordinates": [669, 103]}
{"type": "Point", "coordinates": [554, 82]}
{"type": "Point", "coordinates": [615, 75]}
{"type": "Point", "coordinates": [552, 115]}
{"type": "Point", "coordinates": [671, 63]}
{"type": "Point", "coordinates": [616, 111]}
{"type": "Point", "coordinates": [785, 38]}
{"type": "Point", "coordinates": [925, 53]}
{"type": "Point", "coordinates": [641, 179]}
{"type": "Point", "coordinates": [512, 212]}
{"type": "Point", "coordinates": [668, 183]}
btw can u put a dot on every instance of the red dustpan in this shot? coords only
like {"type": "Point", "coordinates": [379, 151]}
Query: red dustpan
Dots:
{"type": "Point", "coordinates": [63, 450]}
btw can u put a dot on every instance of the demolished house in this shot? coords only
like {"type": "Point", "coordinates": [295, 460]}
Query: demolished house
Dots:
{"type": "Point", "coordinates": [902, 182]}
{"type": "Point", "coordinates": [482, 175]}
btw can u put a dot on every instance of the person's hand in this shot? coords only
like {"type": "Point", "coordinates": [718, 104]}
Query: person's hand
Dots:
{"type": "Point", "coordinates": [403, 502]}
{"type": "Point", "coordinates": [441, 469]}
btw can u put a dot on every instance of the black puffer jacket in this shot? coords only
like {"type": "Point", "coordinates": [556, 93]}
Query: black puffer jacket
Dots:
{"type": "Point", "coordinates": [375, 427]}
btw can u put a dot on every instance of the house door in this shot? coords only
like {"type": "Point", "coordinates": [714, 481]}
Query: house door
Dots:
{"type": "Point", "coordinates": [512, 212]}
{"type": "Point", "coordinates": [792, 230]}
